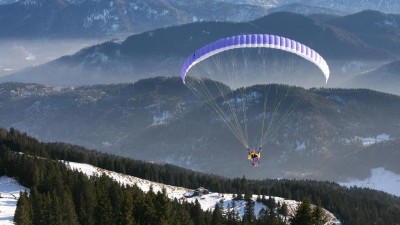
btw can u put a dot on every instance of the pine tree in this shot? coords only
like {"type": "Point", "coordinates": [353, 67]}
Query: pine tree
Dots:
{"type": "Point", "coordinates": [51, 210]}
{"type": "Point", "coordinates": [232, 215]}
{"type": "Point", "coordinates": [36, 200]}
{"type": "Point", "coordinates": [183, 216]}
{"type": "Point", "coordinates": [150, 212]}
{"type": "Point", "coordinates": [68, 213]}
{"type": "Point", "coordinates": [58, 209]}
{"type": "Point", "coordinates": [238, 197]}
{"type": "Point", "coordinates": [47, 209]}
{"type": "Point", "coordinates": [271, 218]}
{"type": "Point", "coordinates": [85, 200]}
{"type": "Point", "coordinates": [217, 218]}
{"type": "Point", "coordinates": [284, 211]}
{"type": "Point", "coordinates": [115, 195]}
{"type": "Point", "coordinates": [23, 213]}
{"type": "Point", "coordinates": [103, 212]}
{"type": "Point", "coordinates": [163, 208]}
{"type": "Point", "coordinates": [318, 214]}
{"type": "Point", "coordinates": [197, 213]}
{"type": "Point", "coordinates": [303, 215]}
{"type": "Point", "coordinates": [127, 209]}
{"type": "Point", "coordinates": [271, 202]}
{"type": "Point", "coordinates": [249, 217]}
{"type": "Point", "coordinates": [262, 216]}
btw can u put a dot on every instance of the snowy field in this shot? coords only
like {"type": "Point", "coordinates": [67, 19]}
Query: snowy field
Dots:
{"type": "Point", "coordinates": [381, 179]}
{"type": "Point", "coordinates": [9, 192]}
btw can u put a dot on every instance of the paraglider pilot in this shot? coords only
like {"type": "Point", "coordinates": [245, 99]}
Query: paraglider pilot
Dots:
{"type": "Point", "coordinates": [253, 156]}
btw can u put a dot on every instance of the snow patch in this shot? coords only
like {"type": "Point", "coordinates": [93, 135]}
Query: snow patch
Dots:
{"type": "Point", "coordinates": [106, 144]}
{"type": "Point", "coordinates": [300, 146]}
{"type": "Point", "coordinates": [208, 202]}
{"type": "Point", "coordinates": [381, 179]}
{"type": "Point", "coordinates": [252, 97]}
{"type": "Point", "coordinates": [164, 118]}
{"type": "Point", "coordinates": [102, 17]}
{"type": "Point", "coordinates": [355, 66]}
{"type": "Point", "coordinates": [97, 57]}
{"type": "Point", "coordinates": [75, 2]}
{"type": "Point", "coordinates": [9, 194]}
{"type": "Point", "coordinates": [387, 23]}
{"type": "Point", "coordinates": [30, 2]}
{"type": "Point", "coordinates": [367, 141]}
{"type": "Point", "coordinates": [171, 191]}
{"type": "Point", "coordinates": [335, 98]}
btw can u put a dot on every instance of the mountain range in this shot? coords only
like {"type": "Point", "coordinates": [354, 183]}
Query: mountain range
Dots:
{"type": "Point", "coordinates": [124, 97]}
{"type": "Point", "coordinates": [388, 6]}
{"type": "Point", "coordinates": [384, 78]}
{"type": "Point", "coordinates": [348, 49]}
{"type": "Point", "coordinates": [111, 18]}
{"type": "Point", "coordinates": [160, 120]}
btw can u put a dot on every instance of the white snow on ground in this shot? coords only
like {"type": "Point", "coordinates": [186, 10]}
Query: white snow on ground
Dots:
{"type": "Point", "coordinates": [373, 140]}
{"type": "Point", "coordinates": [144, 185]}
{"type": "Point", "coordinates": [300, 146]}
{"type": "Point", "coordinates": [367, 141]}
{"type": "Point", "coordinates": [381, 179]}
{"type": "Point", "coordinates": [207, 201]}
{"type": "Point", "coordinates": [9, 192]}
{"type": "Point", "coordinates": [162, 119]}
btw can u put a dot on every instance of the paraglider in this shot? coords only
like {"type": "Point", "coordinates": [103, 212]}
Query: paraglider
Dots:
{"type": "Point", "coordinates": [254, 157]}
{"type": "Point", "coordinates": [255, 41]}
{"type": "Point", "coordinates": [234, 106]}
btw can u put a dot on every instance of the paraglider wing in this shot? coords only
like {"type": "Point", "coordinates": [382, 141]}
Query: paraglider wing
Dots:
{"type": "Point", "coordinates": [255, 41]}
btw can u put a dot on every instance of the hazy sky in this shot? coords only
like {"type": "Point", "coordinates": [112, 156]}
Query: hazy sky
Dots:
{"type": "Point", "coordinates": [19, 54]}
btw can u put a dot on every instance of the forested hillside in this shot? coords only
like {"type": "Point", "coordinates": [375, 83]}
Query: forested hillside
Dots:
{"type": "Point", "coordinates": [61, 196]}
{"type": "Point", "coordinates": [161, 120]}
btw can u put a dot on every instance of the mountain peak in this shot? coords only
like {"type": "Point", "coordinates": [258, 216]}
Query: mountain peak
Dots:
{"type": "Point", "coordinates": [371, 21]}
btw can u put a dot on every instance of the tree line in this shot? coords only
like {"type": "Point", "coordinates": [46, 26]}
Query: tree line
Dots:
{"type": "Point", "coordinates": [62, 196]}
{"type": "Point", "coordinates": [52, 184]}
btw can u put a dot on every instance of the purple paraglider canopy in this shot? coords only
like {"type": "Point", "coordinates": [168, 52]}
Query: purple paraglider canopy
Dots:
{"type": "Point", "coordinates": [255, 41]}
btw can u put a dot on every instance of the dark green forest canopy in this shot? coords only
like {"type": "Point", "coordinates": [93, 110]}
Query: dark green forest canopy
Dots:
{"type": "Point", "coordinates": [350, 205]}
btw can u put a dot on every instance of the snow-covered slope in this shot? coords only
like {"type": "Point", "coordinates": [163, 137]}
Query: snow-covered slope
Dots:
{"type": "Point", "coordinates": [144, 185]}
{"type": "Point", "coordinates": [207, 201]}
{"type": "Point", "coordinates": [380, 179]}
{"type": "Point", "coordinates": [9, 194]}
{"type": "Point", "coordinates": [10, 190]}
